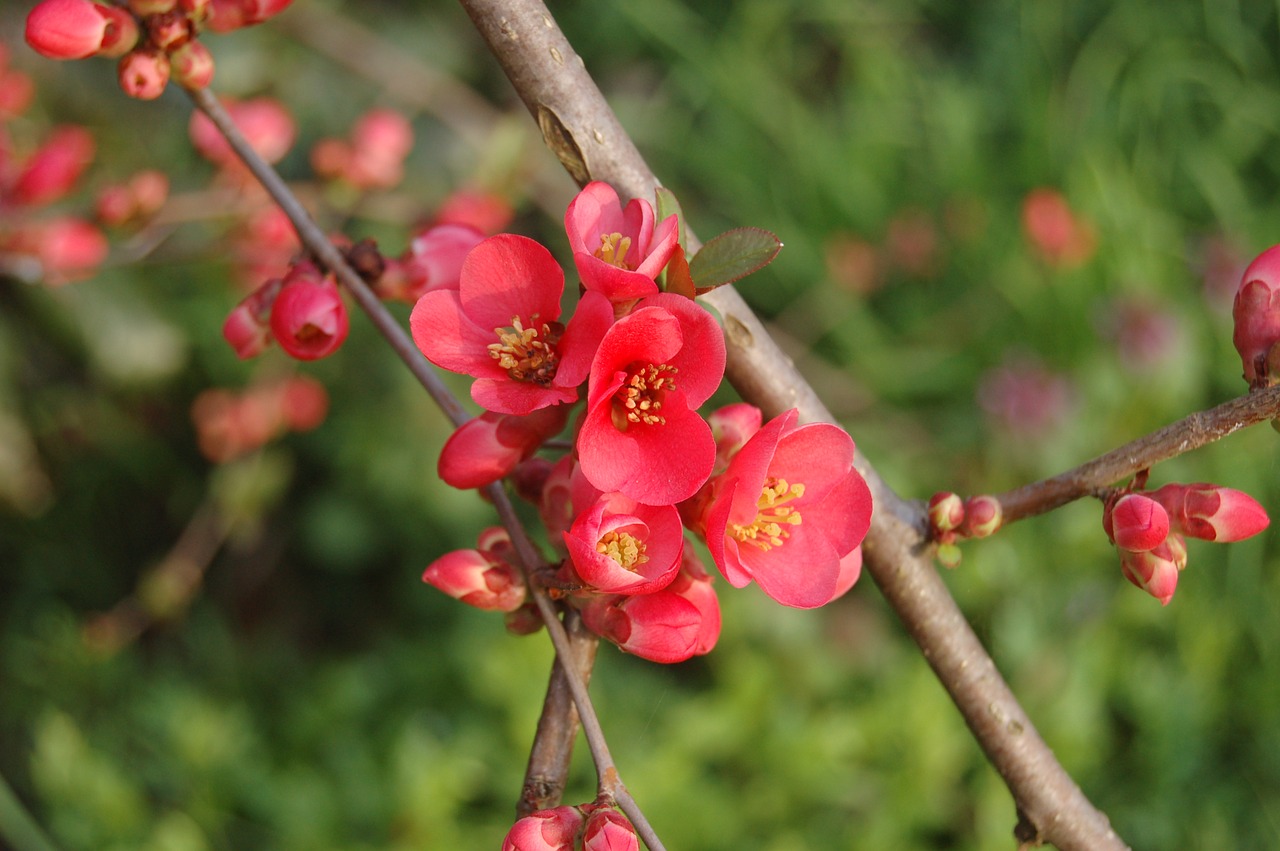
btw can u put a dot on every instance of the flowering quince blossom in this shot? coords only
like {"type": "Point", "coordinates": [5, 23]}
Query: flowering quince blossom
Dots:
{"type": "Point", "coordinates": [482, 577]}
{"type": "Point", "coordinates": [618, 252]}
{"type": "Point", "coordinates": [433, 262]}
{"type": "Point", "coordinates": [308, 318]}
{"type": "Point", "coordinates": [546, 830]}
{"type": "Point", "coordinates": [1136, 522]}
{"type": "Point", "coordinates": [489, 447]}
{"type": "Point", "coordinates": [78, 29]}
{"type": "Point", "coordinates": [641, 435]}
{"type": "Point", "coordinates": [500, 326]}
{"type": "Point", "coordinates": [662, 626]}
{"type": "Point", "coordinates": [787, 510]}
{"type": "Point", "coordinates": [620, 546]}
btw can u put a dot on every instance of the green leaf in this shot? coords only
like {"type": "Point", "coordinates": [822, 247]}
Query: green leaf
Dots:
{"type": "Point", "coordinates": [668, 205]}
{"type": "Point", "coordinates": [732, 255]}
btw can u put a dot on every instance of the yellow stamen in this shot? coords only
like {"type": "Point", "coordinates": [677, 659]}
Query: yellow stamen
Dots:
{"type": "Point", "coordinates": [772, 515]}
{"type": "Point", "coordinates": [528, 354]}
{"type": "Point", "coordinates": [639, 399]}
{"type": "Point", "coordinates": [623, 548]}
{"type": "Point", "coordinates": [613, 250]}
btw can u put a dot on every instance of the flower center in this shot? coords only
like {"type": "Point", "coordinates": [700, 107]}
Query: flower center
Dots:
{"type": "Point", "coordinates": [772, 515]}
{"type": "Point", "coordinates": [639, 399]}
{"type": "Point", "coordinates": [613, 250]}
{"type": "Point", "coordinates": [623, 548]}
{"type": "Point", "coordinates": [528, 354]}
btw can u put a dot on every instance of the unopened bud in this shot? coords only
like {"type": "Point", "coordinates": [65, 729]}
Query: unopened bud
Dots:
{"type": "Point", "coordinates": [1256, 312]}
{"type": "Point", "coordinates": [546, 830]}
{"type": "Point", "coordinates": [1137, 522]}
{"type": "Point", "coordinates": [946, 511]}
{"type": "Point", "coordinates": [1212, 513]}
{"type": "Point", "coordinates": [982, 516]}
{"type": "Point", "coordinates": [949, 556]}
{"type": "Point", "coordinates": [192, 65]}
{"type": "Point", "coordinates": [143, 74]}
{"type": "Point", "coordinates": [1156, 571]}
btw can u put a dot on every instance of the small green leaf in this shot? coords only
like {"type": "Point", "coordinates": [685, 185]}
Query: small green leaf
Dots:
{"type": "Point", "coordinates": [732, 255]}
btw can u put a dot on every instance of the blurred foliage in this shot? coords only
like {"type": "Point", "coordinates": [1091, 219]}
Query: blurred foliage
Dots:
{"type": "Point", "coordinates": [315, 695]}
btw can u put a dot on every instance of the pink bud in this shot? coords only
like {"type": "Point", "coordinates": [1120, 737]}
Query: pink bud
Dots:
{"type": "Point", "coordinates": [433, 262]}
{"type": "Point", "coordinates": [1212, 513]}
{"type": "Point", "coordinates": [144, 73]}
{"type": "Point", "coordinates": [1138, 522]}
{"type": "Point", "coordinates": [168, 30]}
{"type": "Point", "coordinates": [67, 248]}
{"type": "Point", "coordinates": [265, 123]}
{"type": "Point", "coordinates": [16, 93]}
{"type": "Point", "coordinates": [1156, 571]}
{"type": "Point", "coordinates": [946, 511]}
{"type": "Point", "coordinates": [1257, 317]}
{"type": "Point", "coordinates": [487, 212]}
{"type": "Point", "coordinates": [66, 29]}
{"type": "Point", "coordinates": [982, 516]}
{"type": "Point", "coordinates": [1057, 234]}
{"type": "Point", "coordinates": [122, 33]}
{"type": "Point", "coordinates": [303, 403]}
{"type": "Point", "coordinates": [309, 319]}
{"type": "Point", "coordinates": [380, 141]}
{"type": "Point", "coordinates": [608, 830]}
{"type": "Point", "coordinates": [545, 830]}
{"type": "Point", "coordinates": [478, 578]}
{"type": "Point", "coordinates": [661, 627]}
{"type": "Point", "coordinates": [192, 65]}
{"type": "Point", "coordinates": [694, 584]}
{"type": "Point", "coordinates": [732, 426]}
{"type": "Point", "coordinates": [54, 169]}
{"type": "Point", "coordinates": [489, 447]}
{"type": "Point", "coordinates": [248, 327]}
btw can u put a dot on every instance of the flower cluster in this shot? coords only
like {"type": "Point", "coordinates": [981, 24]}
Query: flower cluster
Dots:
{"type": "Point", "coordinates": [230, 424]}
{"type": "Point", "coordinates": [155, 40]}
{"type": "Point", "coordinates": [589, 827]}
{"type": "Point", "coordinates": [777, 503]}
{"type": "Point", "coordinates": [952, 519]}
{"type": "Point", "coordinates": [1149, 529]}
{"type": "Point", "coordinates": [302, 311]}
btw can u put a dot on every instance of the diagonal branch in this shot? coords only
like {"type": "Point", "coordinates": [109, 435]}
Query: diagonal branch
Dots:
{"type": "Point", "coordinates": [581, 129]}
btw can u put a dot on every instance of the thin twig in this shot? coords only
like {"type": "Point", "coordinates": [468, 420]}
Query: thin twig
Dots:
{"type": "Point", "coordinates": [581, 129]}
{"type": "Point", "coordinates": [1179, 438]}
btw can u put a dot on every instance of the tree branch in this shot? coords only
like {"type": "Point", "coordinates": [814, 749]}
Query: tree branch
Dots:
{"type": "Point", "coordinates": [581, 129]}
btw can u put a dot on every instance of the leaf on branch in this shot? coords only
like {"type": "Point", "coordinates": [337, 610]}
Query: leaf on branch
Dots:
{"type": "Point", "coordinates": [732, 255]}
{"type": "Point", "coordinates": [676, 277]}
{"type": "Point", "coordinates": [668, 205]}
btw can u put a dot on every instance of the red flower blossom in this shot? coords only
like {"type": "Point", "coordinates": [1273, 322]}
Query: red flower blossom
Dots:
{"type": "Point", "coordinates": [620, 546]}
{"type": "Point", "coordinates": [501, 327]}
{"type": "Point", "coordinates": [482, 577]}
{"type": "Point", "coordinates": [618, 251]}
{"type": "Point", "coordinates": [546, 830]}
{"type": "Point", "coordinates": [433, 262]}
{"type": "Point", "coordinates": [787, 510]}
{"type": "Point", "coordinates": [642, 435]}
{"type": "Point", "coordinates": [308, 318]}
{"type": "Point", "coordinates": [661, 627]}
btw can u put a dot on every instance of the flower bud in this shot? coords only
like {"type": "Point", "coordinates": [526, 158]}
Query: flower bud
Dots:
{"type": "Point", "coordinates": [143, 74]}
{"type": "Point", "coordinates": [192, 65]}
{"type": "Point", "coordinates": [66, 29]}
{"type": "Point", "coordinates": [168, 31]}
{"type": "Point", "coordinates": [478, 578]}
{"type": "Point", "coordinates": [248, 326]}
{"type": "Point", "coordinates": [1256, 312]}
{"type": "Point", "coordinates": [546, 830]}
{"type": "Point", "coordinates": [661, 627]}
{"type": "Point", "coordinates": [1156, 571]}
{"type": "Point", "coordinates": [303, 403]}
{"type": "Point", "coordinates": [67, 249]}
{"type": "Point", "coordinates": [1212, 513]}
{"type": "Point", "coordinates": [487, 448]}
{"type": "Point", "coordinates": [732, 426]}
{"type": "Point", "coordinates": [1136, 522]}
{"type": "Point", "coordinates": [694, 584]}
{"type": "Point", "coordinates": [982, 516]}
{"type": "Point", "coordinates": [309, 319]}
{"type": "Point", "coordinates": [53, 170]}
{"type": "Point", "coordinates": [122, 33]}
{"type": "Point", "coordinates": [946, 511]}
{"type": "Point", "coordinates": [608, 830]}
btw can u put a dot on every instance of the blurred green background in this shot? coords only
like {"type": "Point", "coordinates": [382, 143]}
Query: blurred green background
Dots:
{"type": "Point", "coordinates": [313, 694]}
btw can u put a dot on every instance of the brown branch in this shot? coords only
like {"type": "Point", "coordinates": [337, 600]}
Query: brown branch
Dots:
{"type": "Point", "coordinates": [1192, 432]}
{"type": "Point", "coordinates": [585, 135]}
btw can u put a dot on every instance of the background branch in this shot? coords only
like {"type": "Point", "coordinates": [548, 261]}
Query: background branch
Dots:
{"type": "Point", "coordinates": [581, 129]}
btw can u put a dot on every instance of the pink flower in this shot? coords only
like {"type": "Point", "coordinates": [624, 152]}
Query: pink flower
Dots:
{"type": "Point", "coordinates": [545, 830]}
{"type": "Point", "coordinates": [608, 830]}
{"type": "Point", "coordinates": [308, 318]}
{"type": "Point", "coordinates": [1212, 513]}
{"type": "Point", "coordinates": [482, 577]}
{"type": "Point", "coordinates": [192, 65]}
{"type": "Point", "coordinates": [487, 212]}
{"type": "Point", "coordinates": [247, 327]}
{"type": "Point", "coordinates": [620, 546]}
{"type": "Point", "coordinates": [694, 584]}
{"type": "Point", "coordinates": [1136, 522]}
{"type": "Point", "coordinates": [433, 262]}
{"type": "Point", "coordinates": [1156, 570]}
{"type": "Point", "coordinates": [618, 251]}
{"type": "Point", "coordinates": [227, 15]}
{"type": "Point", "coordinates": [53, 170]}
{"type": "Point", "coordinates": [661, 627]}
{"type": "Point", "coordinates": [1257, 319]}
{"type": "Point", "coordinates": [787, 510]}
{"type": "Point", "coordinates": [642, 435]}
{"type": "Point", "coordinates": [487, 448]}
{"type": "Point", "coordinates": [266, 124]}
{"type": "Point", "coordinates": [500, 326]}
{"type": "Point", "coordinates": [67, 249]}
